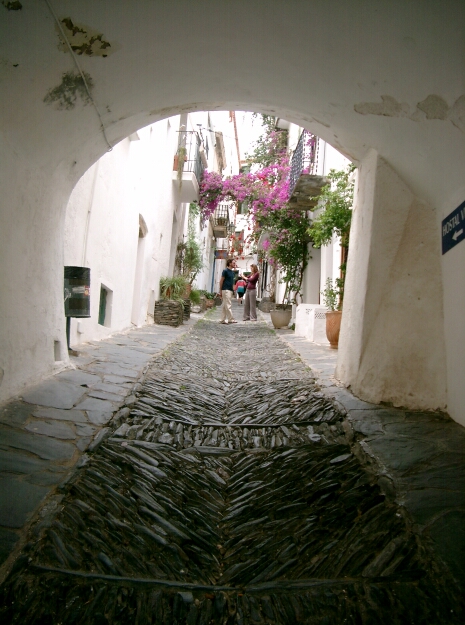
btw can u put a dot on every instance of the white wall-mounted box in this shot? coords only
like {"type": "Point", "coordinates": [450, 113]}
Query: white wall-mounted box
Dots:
{"type": "Point", "coordinates": [311, 323]}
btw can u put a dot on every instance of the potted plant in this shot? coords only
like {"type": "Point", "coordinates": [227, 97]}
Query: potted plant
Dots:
{"type": "Point", "coordinates": [173, 288]}
{"type": "Point", "coordinates": [281, 315]}
{"type": "Point", "coordinates": [335, 217]}
{"type": "Point", "coordinates": [332, 301]}
{"type": "Point", "coordinates": [210, 299]}
{"type": "Point", "coordinates": [189, 254]}
{"type": "Point", "coordinates": [169, 310]}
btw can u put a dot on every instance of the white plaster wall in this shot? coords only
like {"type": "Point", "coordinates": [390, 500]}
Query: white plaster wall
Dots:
{"type": "Point", "coordinates": [327, 260]}
{"type": "Point", "coordinates": [311, 282]}
{"type": "Point", "coordinates": [392, 344]}
{"type": "Point", "coordinates": [207, 122]}
{"type": "Point", "coordinates": [102, 228]}
{"type": "Point", "coordinates": [31, 271]}
{"type": "Point", "coordinates": [156, 198]}
{"type": "Point", "coordinates": [453, 274]}
{"type": "Point", "coordinates": [110, 247]}
{"type": "Point", "coordinates": [329, 158]}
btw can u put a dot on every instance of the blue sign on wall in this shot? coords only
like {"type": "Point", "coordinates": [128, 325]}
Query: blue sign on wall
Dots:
{"type": "Point", "coordinates": [453, 228]}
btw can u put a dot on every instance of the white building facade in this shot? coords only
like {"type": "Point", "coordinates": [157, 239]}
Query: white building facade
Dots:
{"type": "Point", "coordinates": [128, 213]}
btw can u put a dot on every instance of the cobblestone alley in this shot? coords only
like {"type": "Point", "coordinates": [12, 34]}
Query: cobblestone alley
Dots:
{"type": "Point", "coordinates": [232, 491]}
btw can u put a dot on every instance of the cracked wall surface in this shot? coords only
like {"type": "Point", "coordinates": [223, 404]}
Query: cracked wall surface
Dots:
{"type": "Point", "coordinates": [432, 107]}
{"type": "Point", "coordinates": [83, 39]}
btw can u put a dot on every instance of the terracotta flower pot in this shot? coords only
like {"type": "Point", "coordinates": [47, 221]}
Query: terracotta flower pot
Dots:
{"type": "Point", "coordinates": [333, 327]}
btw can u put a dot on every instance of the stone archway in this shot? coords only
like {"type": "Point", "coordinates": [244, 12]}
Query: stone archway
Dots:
{"type": "Point", "coordinates": [366, 78]}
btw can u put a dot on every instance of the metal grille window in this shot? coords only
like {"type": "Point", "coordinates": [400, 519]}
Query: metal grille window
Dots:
{"type": "Point", "coordinates": [304, 158]}
{"type": "Point", "coordinates": [220, 221]}
{"type": "Point", "coordinates": [193, 162]}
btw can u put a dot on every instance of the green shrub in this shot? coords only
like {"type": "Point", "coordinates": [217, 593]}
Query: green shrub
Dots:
{"type": "Point", "coordinates": [194, 296]}
{"type": "Point", "coordinates": [173, 288]}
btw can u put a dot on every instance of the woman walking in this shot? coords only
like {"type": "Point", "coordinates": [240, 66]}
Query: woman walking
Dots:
{"type": "Point", "coordinates": [250, 306]}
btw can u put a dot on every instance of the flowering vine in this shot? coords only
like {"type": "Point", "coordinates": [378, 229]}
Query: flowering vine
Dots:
{"type": "Point", "coordinates": [265, 187]}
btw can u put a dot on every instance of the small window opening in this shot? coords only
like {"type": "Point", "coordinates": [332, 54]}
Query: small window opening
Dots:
{"type": "Point", "coordinates": [57, 350]}
{"type": "Point", "coordinates": [104, 311]}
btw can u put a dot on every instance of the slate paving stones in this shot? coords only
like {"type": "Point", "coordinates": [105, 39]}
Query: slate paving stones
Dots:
{"type": "Point", "coordinates": [419, 457]}
{"type": "Point", "coordinates": [23, 498]}
{"type": "Point", "coordinates": [16, 413]}
{"type": "Point", "coordinates": [42, 433]}
{"type": "Point", "coordinates": [55, 394]}
{"type": "Point", "coordinates": [44, 447]}
{"type": "Point", "coordinates": [228, 492]}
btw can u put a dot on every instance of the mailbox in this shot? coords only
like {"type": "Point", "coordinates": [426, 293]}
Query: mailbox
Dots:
{"type": "Point", "coordinates": [77, 292]}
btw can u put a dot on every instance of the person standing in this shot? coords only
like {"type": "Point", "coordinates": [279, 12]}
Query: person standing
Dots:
{"type": "Point", "coordinates": [226, 292]}
{"type": "Point", "coordinates": [239, 287]}
{"type": "Point", "coordinates": [250, 306]}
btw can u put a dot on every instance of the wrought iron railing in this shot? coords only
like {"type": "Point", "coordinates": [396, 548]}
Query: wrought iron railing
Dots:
{"type": "Point", "coordinates": [220, 217]}
{"type": "Point", "coordinates": [193, 161]}
{"type": "Point", "coordinates": [304, 158]}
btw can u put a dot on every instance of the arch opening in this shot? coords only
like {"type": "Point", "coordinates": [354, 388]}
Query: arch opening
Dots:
{"type": "Point", "coordinates": [391, 103]}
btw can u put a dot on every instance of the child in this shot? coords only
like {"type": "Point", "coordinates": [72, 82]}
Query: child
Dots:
{"type": "Point", "coordinates": [239, 287]}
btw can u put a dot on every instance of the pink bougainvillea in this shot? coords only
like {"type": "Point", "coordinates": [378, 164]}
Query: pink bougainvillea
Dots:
{"type": "Point", "coordinates": [267, 192]}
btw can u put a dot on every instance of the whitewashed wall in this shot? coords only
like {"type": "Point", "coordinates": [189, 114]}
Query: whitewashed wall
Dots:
{"type": "Point", "coordinates": [101, 233]}
{"type": "Point", "coordinates": [130, 185]}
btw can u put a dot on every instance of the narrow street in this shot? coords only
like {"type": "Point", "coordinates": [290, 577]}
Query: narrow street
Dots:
{"type": "Point", "coordinates": [232, 492]}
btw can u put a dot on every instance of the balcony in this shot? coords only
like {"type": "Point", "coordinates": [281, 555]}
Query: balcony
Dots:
{"type": "Point", "coordinates": [220, 221]}
{"type": "Point", "coordinates": [189, 177]}
{"type": "Point", "coordinates": [304, 186]}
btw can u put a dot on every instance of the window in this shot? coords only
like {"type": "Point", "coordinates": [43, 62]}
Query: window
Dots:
{"type": "Point", "coordinates": [243, 208]}
{"type": "Point", "coordinates": [104, 310]}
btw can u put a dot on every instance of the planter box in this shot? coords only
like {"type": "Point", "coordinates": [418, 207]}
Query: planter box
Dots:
{"type": "Point", "coordinates": [186, 309]}
{"type": "Point", "coordinates": [168, 313]}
